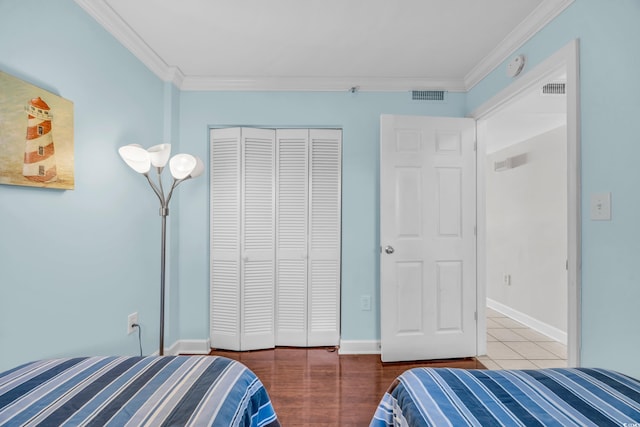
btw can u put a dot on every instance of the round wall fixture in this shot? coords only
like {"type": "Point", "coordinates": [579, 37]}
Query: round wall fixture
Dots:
{"type": "Point", "coordinates": [515, 66]}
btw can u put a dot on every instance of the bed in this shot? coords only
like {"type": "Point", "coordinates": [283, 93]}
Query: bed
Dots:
{"type": "Point", "coordinates": [120, 391]}
{"type": "Point", "coordinates": [542, 397]}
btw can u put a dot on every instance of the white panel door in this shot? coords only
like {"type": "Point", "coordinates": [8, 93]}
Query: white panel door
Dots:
{"type": "Point", "coordinates": [292, 201]}
{"type": "Point", "coordinates": [324, 236]}
{"type": "Point", "coordinates": [427, 234]}
{"type": "Point", "coordinates": [258, 239]}
{"type": "Point", "coordinates": [225, 245]}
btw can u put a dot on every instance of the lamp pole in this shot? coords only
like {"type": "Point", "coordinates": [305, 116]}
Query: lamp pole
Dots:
{"type": "Point", "coordinates": [164, 211]}
{"type": "Point", "coordinates": [183, 167]}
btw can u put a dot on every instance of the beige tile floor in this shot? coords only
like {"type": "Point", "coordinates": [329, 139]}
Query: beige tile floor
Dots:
{"type": "Point", "coordinates": [511, 345]}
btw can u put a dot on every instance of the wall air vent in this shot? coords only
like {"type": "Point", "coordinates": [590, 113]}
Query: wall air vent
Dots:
{"type": "Point", "coordinates": [427, 95]}
{"type": "Point", "coordinates": [554, 89]}
{"type": "Point", "coordinates": [501, 165]}
{"type": "Point", "coordinates": [510, 162]}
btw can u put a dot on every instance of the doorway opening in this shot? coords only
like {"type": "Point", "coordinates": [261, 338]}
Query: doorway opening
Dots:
{"type": "Point", "coordinates": [556, 121]}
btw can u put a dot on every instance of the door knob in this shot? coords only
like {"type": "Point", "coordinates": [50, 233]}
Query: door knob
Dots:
{"type": "Point", "coordinates": [389, 249]}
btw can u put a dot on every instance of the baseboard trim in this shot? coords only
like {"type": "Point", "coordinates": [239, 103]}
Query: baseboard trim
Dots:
{"type": "Point", "coordinates": [525, 319]}
{"type": "Point", "coordinates": [204, 347]}
{"type": "Point", "coordinates": [189, 347]}
{"type": "Point", "coordinates": [359, 347]}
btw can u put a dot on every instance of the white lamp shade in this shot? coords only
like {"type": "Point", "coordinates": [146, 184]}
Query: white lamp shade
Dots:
{"type": "Point", "coordinates": [136, 157]}
{"type": "Point", "coordinates": [182, 165]}
{"type": "Point", "coordinates": [160, 155]}
{"type": "Point", "coordinates": [197, 171]}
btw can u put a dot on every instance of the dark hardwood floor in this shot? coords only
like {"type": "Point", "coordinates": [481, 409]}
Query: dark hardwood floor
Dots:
{"type": "Point", "coordinates": [317, 387]}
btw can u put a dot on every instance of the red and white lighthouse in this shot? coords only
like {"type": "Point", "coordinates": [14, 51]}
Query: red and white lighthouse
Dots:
{"type": "Point", "coordinates": [39, 152]}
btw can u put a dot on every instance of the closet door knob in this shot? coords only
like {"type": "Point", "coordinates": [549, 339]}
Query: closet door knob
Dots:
{"type": "Point", "coordinates": [389, 249]}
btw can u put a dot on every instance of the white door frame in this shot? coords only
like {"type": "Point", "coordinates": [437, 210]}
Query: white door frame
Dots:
{"type": "Point", "coordinates": [567, 58]}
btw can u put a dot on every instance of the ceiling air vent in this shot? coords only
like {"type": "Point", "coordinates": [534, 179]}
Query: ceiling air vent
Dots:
{"type": "Point", "coordinates": [427, 95]}
{"type": "Point", "coordinates": [554, 89]}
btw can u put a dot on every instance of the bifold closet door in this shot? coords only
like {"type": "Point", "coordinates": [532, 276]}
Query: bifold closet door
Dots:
{"type": "Point", "coordinates": [292, 201]}
{"type": "Point", "coordinates": [275, 237]}
{"type": "Point", "coordinates": [224, 294]}
{"type": "Point", "coordinates": [308, 216]}
{"type": "Point", "coordinates": [258, 239]}
{"type": "Point", "coordinates": [243, 236]}
{"type": "Point", "coordinates": [325, 172]}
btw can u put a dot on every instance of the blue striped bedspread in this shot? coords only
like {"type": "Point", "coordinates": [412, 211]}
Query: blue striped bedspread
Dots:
{"type": "Point", "coordinates": [135, 391]}
{"type": "Point", "coordinates": [544, 397]}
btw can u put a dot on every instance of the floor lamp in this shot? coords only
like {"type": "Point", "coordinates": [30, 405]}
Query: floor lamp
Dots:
{"type": "Point", "coordinates": [182, 167]}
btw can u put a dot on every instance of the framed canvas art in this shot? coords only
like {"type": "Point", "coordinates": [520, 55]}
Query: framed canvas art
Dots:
{"type": "Point", "coordinates": [36, 136]}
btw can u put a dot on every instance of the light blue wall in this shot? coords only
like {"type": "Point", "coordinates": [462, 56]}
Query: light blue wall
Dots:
{"type": "Point", "coordinates": [358, 115]}
{"type": "Point", "coordinates": [172, 134]}
{"type": "Point", "coordinates": [610, 106]}
{"type": "Point", "coordinates": [74, 264]}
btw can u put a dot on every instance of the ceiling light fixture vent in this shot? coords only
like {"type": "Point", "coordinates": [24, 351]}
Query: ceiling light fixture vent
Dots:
{"type": "Point", "coordinates": [427, 95]}
{"type": "Point", "coordinates": [554, 89]}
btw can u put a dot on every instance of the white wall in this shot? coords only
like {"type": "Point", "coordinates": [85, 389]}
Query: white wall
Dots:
{"type": "Point", "coordinates": [527, 230]}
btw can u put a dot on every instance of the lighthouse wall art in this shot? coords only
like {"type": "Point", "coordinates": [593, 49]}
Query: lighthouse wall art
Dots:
{"type": "Point", "coordinates": [36, 136]}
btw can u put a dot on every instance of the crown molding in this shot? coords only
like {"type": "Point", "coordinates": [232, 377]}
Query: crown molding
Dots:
{"type": "Point", "coordinates": [328, 84]}
{"type": "Point", "coordinates": [175, 76]}
{"type": "Point", "coordinates": [115, 25]}
{"type": "Point", "coordinates": [536, 20]}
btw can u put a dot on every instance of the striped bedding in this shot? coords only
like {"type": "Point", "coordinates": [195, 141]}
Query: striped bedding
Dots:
{"type": "Point", "coordinates": [543, 397]}
{"type": "Point", "coordinates": [134, 391]}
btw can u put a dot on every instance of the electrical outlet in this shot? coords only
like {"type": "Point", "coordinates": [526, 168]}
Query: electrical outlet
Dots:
{"type": "Point", "coordinates": [365, 302]}
{"type": "Point", "coordinates": [132, 319]}
{"type": "Point", "coordinates": [506, 278]}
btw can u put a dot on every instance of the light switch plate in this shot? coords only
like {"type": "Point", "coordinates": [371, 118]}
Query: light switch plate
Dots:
{"type": "Point", "coordinates": [601, 206]}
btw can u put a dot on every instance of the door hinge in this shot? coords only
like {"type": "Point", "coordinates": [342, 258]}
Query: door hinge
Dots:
{"type": "Point", "coordinates": [475, 145]}
{"type": "Point", "coordinates": [475, 230]}
{"type": "Point", "coordinates": [475, 316]}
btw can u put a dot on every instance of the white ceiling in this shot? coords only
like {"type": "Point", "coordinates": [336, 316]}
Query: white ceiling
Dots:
{"type": "Point", "coordinates": [323, 45]}
{"type": "Point", "coordinates": [379, 45]}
